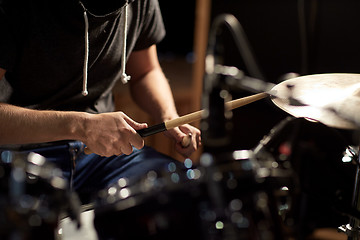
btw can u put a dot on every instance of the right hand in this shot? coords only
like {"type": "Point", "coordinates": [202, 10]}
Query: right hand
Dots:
{"type": "Point", "coordinates": [109, 134]}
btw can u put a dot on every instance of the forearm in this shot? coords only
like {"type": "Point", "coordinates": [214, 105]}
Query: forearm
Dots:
{"type": "Point", "coordinates": [153, 94]}
{"type": "Point", "coordinates": [106, 134]}
{"type": "Point", "coordinates": [21, 126]}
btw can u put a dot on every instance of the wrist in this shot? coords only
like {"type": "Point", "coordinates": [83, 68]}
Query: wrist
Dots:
{"type": "Point", "coordinates": [168, 116]}
{"type": "Point", "coordinates": [76, 125]}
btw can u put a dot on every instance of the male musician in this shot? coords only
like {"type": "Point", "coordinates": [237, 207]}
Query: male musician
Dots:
{"type": "Point", "coordinates": [59, 61]}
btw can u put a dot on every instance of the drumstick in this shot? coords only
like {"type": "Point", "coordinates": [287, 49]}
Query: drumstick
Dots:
{"type": "Point", "coordinates": [192, 117]}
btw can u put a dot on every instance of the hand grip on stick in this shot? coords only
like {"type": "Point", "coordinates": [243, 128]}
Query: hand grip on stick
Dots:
{"type": "Point", "coordinates": [192, 117]}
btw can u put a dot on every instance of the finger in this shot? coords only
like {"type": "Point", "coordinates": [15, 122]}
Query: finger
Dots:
{"type": "Point", "coordinates": [132, 137]}
{"type": "Point", "coordinates": [137, 141]}
{"type": "Point", "coordinates": [133, 123]}
{"type": "Point", "coordinates": [194, 132]}
{"type": "Point", "coordinates": [117, 154]}
{"type": "Point", "coordinates": [88, 151]}
{"type": "Point", "coordinates": [127, 149]}
{"type": "Point", "coordinates": [187, 146]}
{"type": "Point", "coordinates": [198, 140]}
{"type": "Point", "coordinates": [176, 134]}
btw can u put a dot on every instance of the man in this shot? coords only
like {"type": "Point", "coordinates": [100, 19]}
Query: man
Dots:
{"type": "Point", "coordinates": [61, 60]}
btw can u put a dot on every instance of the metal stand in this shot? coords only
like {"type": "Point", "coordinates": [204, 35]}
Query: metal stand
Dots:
{"type": "Point", "coordinates": [352, 229]}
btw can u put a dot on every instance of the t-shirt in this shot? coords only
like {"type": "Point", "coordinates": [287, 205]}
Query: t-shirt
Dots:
{"type": "Point", "coordinates": [42, 47]}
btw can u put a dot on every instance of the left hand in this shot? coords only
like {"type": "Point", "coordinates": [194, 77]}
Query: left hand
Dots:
{"type": "Point", "coordinates": [179, 134]}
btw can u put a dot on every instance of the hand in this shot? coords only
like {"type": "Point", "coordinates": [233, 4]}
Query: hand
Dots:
{"type": "Point", "coordinates": [179, 134]}
{"type": "Point", "coordinates": [109, 134]}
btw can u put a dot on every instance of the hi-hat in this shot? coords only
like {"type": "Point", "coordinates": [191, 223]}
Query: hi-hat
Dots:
{"type": "Point", "coordinates": [332, 99]}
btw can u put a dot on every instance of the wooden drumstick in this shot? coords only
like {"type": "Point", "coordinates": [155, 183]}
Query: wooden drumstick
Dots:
{"type": "Point", "coordinates": [192, 117]}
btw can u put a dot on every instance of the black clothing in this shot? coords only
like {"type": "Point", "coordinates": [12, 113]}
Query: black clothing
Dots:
{"type": "Point", "coordinates": [43, 50]}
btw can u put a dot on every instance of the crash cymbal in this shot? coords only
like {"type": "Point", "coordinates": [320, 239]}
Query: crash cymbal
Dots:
{"type": "Point", "coordinates": [332, 99]}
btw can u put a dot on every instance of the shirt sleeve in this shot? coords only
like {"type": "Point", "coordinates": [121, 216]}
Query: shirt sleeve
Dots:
{"type": "Point", "coordinates": [153, 29]}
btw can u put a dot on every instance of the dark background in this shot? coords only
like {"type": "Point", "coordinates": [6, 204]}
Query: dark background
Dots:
{"type": "Point", "coordinates": [276, 33]}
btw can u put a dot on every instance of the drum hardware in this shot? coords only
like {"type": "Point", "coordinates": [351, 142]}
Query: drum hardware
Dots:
{"type": "Point", "coordinates": [35, 196]}
{"type": "Point", "coordinates": [220, 80]}
{"type": "Point", "coordinates": [274, 152]}
{"type": "Point", "coordinates": [331, 99]}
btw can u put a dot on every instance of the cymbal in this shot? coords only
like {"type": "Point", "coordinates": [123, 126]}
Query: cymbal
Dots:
{"type": "Point", "coordinates": [331, 98]}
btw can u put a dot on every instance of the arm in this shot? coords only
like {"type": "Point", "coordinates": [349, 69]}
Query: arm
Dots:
{"type": "Point", "coordinates": [105, 134]}
{"type": "Point", "coordinates": [151, 91]}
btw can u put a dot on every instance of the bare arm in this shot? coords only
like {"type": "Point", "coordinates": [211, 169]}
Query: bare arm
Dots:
{"type": "Point", "coordinates": [149, 86]}
{"type": "Point", "coordinates": [20, 125]}
{"type": "Point", "coordinates": [105, 134]}
{"type": "Point", "coordinates": [151, 91]}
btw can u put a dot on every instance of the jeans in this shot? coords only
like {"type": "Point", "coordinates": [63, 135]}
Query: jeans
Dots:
{"type": "Point", "coordinates": [87, 174]}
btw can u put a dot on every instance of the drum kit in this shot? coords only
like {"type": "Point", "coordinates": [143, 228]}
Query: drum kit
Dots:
{"type": "Point", "coordinates": [240, 194]}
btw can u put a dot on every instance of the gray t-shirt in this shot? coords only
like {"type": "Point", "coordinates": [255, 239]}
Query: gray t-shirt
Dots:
{"type": "Point", "coordinates": [42, 48]}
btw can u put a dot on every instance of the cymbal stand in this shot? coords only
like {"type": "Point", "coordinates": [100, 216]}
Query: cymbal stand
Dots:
{"type": "Point", "coordinates": [352, 229]}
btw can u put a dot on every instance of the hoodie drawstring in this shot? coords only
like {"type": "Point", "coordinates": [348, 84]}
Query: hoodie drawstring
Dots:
{"type": "Point", "coordinates": [86, 56]}
{"type": "Point", "coordinates": [123, 77]}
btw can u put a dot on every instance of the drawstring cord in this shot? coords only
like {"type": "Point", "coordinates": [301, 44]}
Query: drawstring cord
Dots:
{"type": "Point", "coordinates": [123, 76]}
{"type": "Point", "coordinates": [86, 56]}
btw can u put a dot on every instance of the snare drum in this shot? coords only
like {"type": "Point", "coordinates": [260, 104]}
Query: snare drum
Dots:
{"type": "Point", "coordinates": [226, 197]}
